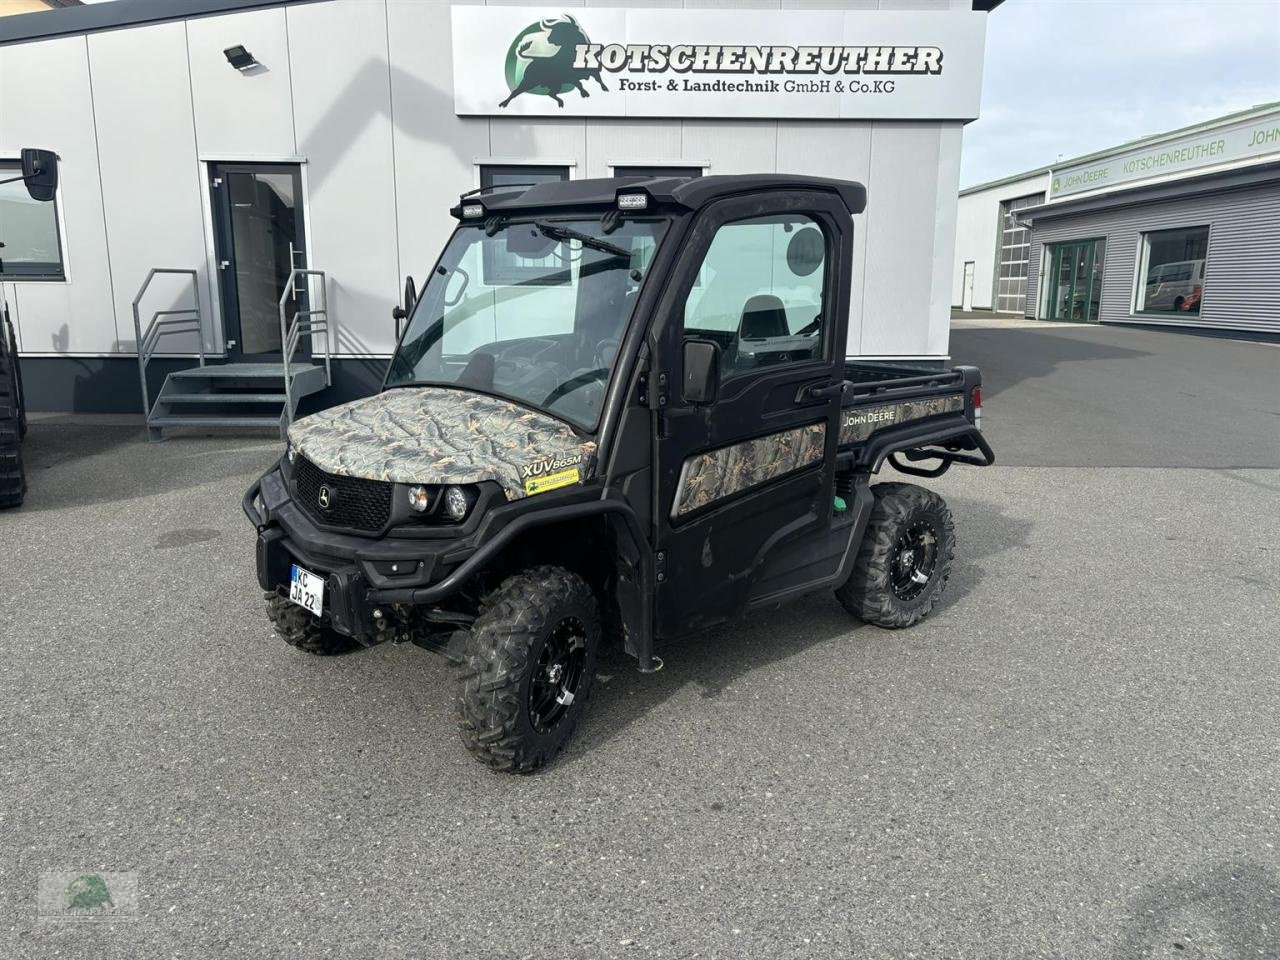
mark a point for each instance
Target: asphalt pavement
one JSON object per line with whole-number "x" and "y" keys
{"x": 1076, "y": 756}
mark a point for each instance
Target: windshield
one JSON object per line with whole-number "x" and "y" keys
{"x": 534, "y": 313}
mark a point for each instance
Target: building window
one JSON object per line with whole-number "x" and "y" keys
{"x": 1172, "y": 271}
{"x": 1014, "y": 255}
{"x": 654, "y": 172}
{"x": 30, "y": 246}
{"x": 503, "y": 267}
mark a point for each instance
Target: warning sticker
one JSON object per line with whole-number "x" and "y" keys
{"x": 552, "y": 481}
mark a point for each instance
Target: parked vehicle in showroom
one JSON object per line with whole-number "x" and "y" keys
{"x": 1172, "y": 285}
{"x": 621, "y": 409}
{"x": 40, "y": 177}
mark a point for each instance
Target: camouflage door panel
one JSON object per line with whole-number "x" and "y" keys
{"x": 859, "y": 423}
{"x": 721, "y": 473}
{"x": 440, "y": 435}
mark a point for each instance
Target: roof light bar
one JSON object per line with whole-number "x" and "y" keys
{"x": 633, "y": 201}
{"x": 472, "y": 210}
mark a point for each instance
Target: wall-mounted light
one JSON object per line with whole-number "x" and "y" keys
{"x": 239, "y": 57}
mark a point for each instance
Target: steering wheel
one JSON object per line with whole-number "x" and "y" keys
{"x": 599, "y": 375}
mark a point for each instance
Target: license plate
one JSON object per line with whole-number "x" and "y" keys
{"x": 306, "y": 589}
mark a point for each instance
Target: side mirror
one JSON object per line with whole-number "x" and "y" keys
{"x": 40, "y": 173}
{"x": 701, "y": 372}
{"x": 399, "y": 313}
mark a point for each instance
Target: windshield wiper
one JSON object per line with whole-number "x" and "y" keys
{"x": 557, "y": 232}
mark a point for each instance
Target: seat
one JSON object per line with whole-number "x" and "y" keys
{"x": 764, "y": 316}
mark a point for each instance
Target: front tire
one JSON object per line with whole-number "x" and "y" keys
{"x": 529, "y": 661}
{"x": 300, "y": 629}
{"x": 904, "y": 560}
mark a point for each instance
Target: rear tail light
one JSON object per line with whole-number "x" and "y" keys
{"x": 977, "y": 407}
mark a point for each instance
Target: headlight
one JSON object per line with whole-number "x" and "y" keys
{"x": 419, "y": 499}
{"x": 456, "y": 503}
{"x": 290, "y": 451}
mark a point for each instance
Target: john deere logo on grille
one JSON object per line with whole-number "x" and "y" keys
{"x": 541, "y": 59}
{"x": 325, "y": 498}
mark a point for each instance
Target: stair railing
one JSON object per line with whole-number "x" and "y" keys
{"x": 165, "y": 323}
{"x": 305, "y": 323}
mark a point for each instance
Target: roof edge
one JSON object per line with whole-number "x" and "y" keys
{"x": 95, "y": 17}
{"x": 1211, "y": 182}
{"x": 1258, "y": 109}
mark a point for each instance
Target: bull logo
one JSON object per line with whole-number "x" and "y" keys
{"x": 541, "y": 60}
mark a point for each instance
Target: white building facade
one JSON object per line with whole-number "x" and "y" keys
{"x": 353, "y": 126}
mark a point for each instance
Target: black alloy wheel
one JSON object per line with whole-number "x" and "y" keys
{"x": 914, "y": 559}
{"x": 557, "y": 676}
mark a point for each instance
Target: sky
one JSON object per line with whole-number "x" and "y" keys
{"x": 1068, "y": 77}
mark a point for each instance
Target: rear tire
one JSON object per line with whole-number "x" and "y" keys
{"x": 300, "y": 629}
{"x": 13, "y": 477}
{"x": 529, "y": 661}
{"x": 904, "y": 560}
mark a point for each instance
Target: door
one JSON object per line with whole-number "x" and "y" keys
{"x": 745, "y": 484}
{"x": 259, "y": 238}
{"x": 966, "y": 299}
{"x": 1075, "y": 275}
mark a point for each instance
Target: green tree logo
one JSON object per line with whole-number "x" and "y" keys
{"x": 88, "y": 892}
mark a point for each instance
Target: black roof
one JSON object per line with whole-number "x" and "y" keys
{"x": 689, "y": 193}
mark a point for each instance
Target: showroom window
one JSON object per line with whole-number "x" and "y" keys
{"x": 656, "y": 171}
{"x": 30, "y": 246}
{"x": 1172, "y": 271}
{"x": 1015, "y": 254}
{"x": 501, "y": 267}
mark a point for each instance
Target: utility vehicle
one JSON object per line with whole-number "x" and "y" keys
{"x": 40, "y": 177}
{"x": 620, "y": 410}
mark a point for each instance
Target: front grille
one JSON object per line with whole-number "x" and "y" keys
{"x": 355, "y": 503}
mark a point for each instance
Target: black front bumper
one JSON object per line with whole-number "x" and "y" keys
{"x": 360, "y": 573}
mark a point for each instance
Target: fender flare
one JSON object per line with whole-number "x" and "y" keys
{"x": 639, "y": 644}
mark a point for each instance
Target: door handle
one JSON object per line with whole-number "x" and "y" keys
{"x": 821, "y": 391}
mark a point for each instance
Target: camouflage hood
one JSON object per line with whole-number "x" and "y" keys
{"x": 440, "y": 435}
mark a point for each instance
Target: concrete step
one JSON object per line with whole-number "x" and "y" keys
{"x": 244, "y": 371}
{"x": 165, "y": 421}
{"x": 222, "y": 398}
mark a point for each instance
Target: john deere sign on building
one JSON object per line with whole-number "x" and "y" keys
{"x": 1243, "y": 141}
{"x": 699, "y": 63}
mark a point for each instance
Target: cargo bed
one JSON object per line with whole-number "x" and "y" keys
{"x": 938, "y": 413}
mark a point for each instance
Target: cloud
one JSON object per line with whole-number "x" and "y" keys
{"x": 1068, "y": 77}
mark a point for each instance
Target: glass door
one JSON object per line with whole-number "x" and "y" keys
{"x": 1075, "y": 280}
{"x": 259, "y": 239}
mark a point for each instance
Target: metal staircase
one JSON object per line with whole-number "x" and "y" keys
{"x": 234, "y": 394}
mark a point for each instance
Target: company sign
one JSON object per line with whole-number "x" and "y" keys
{"x": 770, "y": 64}
{"x": 1245, "y": 140}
